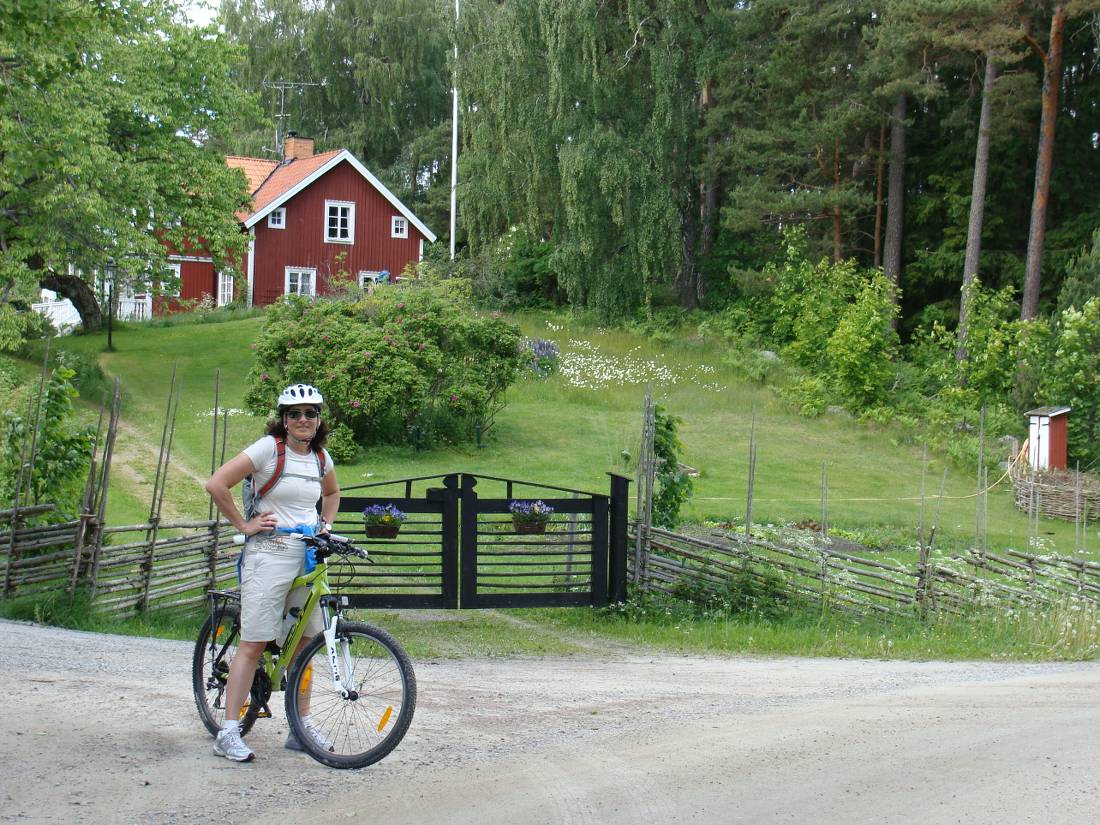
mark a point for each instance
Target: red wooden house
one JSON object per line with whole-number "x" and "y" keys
{"x": 312, "y": 217}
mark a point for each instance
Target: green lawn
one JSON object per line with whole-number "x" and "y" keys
{"x": 571, "y": 430}
{"x": 558, "y": 433}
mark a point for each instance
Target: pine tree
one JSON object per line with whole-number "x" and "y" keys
{"x": 794, "y": 118}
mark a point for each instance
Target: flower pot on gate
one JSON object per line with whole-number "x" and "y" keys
{"x": 530, "y": 517}
{"x": 382, "y": 531}
{"x": 529, "y": 528}
{"x": 382, "y": 521}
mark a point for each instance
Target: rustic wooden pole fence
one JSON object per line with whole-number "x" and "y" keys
{"x": 752, "y": 474}
{"x": 104, "y": 483}
{"x": 159, "y": 484}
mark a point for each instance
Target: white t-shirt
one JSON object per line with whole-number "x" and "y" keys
{"x": 294, "y": 499}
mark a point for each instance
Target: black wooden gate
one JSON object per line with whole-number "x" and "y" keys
{"x": 458, "y": 546}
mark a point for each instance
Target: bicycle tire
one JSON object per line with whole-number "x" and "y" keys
{"x": 364, "y": 729}
{"x": 209, "y": 670}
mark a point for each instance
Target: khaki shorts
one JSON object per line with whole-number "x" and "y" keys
{"x": 269, "y": 568}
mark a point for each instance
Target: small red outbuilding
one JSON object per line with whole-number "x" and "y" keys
{"x": 1048, "y": 438}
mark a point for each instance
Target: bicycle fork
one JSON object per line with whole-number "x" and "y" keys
{"x": 339, "y": 653}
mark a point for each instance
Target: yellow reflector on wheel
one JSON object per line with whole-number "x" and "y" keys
{"x": 244, "y": 710}
{"x": 307, "y": 680}
{"x": 385, "y": 718}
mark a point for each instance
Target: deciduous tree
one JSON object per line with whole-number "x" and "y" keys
{"x": 106, "y": 111}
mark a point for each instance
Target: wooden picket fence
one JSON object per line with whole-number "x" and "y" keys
{"x": 123, "y": 568}
{"x": 811, "y": 569}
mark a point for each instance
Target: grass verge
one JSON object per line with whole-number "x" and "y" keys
{"x": 1066, "y": 632}
{"x": 425, "y": 634}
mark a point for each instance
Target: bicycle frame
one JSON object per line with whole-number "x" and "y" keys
{"x": 275, "y": 664}
{"x": 319, "y": 595}
{"x": 373, "y": 694}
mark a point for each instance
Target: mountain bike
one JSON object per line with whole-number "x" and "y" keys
{"x": 355, "y": 678}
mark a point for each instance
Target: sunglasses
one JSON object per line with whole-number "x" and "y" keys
{"x": 294, "y": 415}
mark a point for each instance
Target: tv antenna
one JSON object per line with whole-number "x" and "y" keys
{"x": 283, "y": 86}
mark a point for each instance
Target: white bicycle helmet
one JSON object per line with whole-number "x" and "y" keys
{"x": 300, "y": 394}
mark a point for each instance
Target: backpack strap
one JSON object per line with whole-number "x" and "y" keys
{"x": 280, "y": 468}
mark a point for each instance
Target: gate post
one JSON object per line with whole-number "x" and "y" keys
{"x": 600, "y": 510}
{"x": 449, "y": 540}
{"x": 468, "y": 538}
{"x": 620, "y": 494}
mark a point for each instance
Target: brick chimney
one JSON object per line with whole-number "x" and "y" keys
{"x": 297, "y": 147}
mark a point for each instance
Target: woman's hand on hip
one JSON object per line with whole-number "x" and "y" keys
{"x": 262, "y": 523}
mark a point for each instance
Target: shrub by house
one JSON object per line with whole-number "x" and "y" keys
{"x": 403, "y": 365}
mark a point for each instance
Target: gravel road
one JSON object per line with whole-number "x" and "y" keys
{"x": 102, "y": 729}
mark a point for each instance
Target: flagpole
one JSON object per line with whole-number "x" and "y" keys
{"x": 454, "y": 139}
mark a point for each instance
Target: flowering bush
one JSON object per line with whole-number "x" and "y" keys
{"x": 530, "y": 512}
{"x": 384, "y": 514}
{"x": 403, "y": 365}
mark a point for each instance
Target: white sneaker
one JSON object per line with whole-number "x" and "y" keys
{"x": 295, "y": 744}
{"x": 229, "y": 744}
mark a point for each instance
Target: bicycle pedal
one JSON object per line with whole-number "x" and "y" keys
{"x": 265, "y": 713}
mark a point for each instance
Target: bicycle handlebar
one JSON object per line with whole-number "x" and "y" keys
{"x": 325, "y": 545}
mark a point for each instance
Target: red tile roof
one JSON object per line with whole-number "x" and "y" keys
{"x": 255, "y": 169}
{"x": 287, "y": 176}
{"x": 268, "y": 180}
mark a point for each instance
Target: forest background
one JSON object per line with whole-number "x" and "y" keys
{"x": 898, "y": 198}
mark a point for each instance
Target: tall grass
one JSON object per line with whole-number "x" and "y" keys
{"x": 74, "y": 610}
{"x": 1066, "y": 632}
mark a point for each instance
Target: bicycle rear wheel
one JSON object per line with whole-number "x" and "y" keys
{"x": 214, "y": 651}
{"x": 359, "y": 730}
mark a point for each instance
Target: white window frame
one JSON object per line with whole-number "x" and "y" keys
{"x": 177, "y": 269}
{"x": 350, "y": 206}
{"x": 300, "y": 270}
{"x": 225, "y": 288}
{"x": 399, "y": 226}
{"x": 277, "y": 218}
{"x": 369, "y": 276}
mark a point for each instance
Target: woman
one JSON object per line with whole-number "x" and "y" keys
{"x": 271, "y": 558}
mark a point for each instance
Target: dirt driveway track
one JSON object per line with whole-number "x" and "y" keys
{"x": 102, "y": 729}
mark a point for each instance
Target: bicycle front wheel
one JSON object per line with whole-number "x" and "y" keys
{"x": 357, "y": 730}
{"x": 214, "y": 651}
